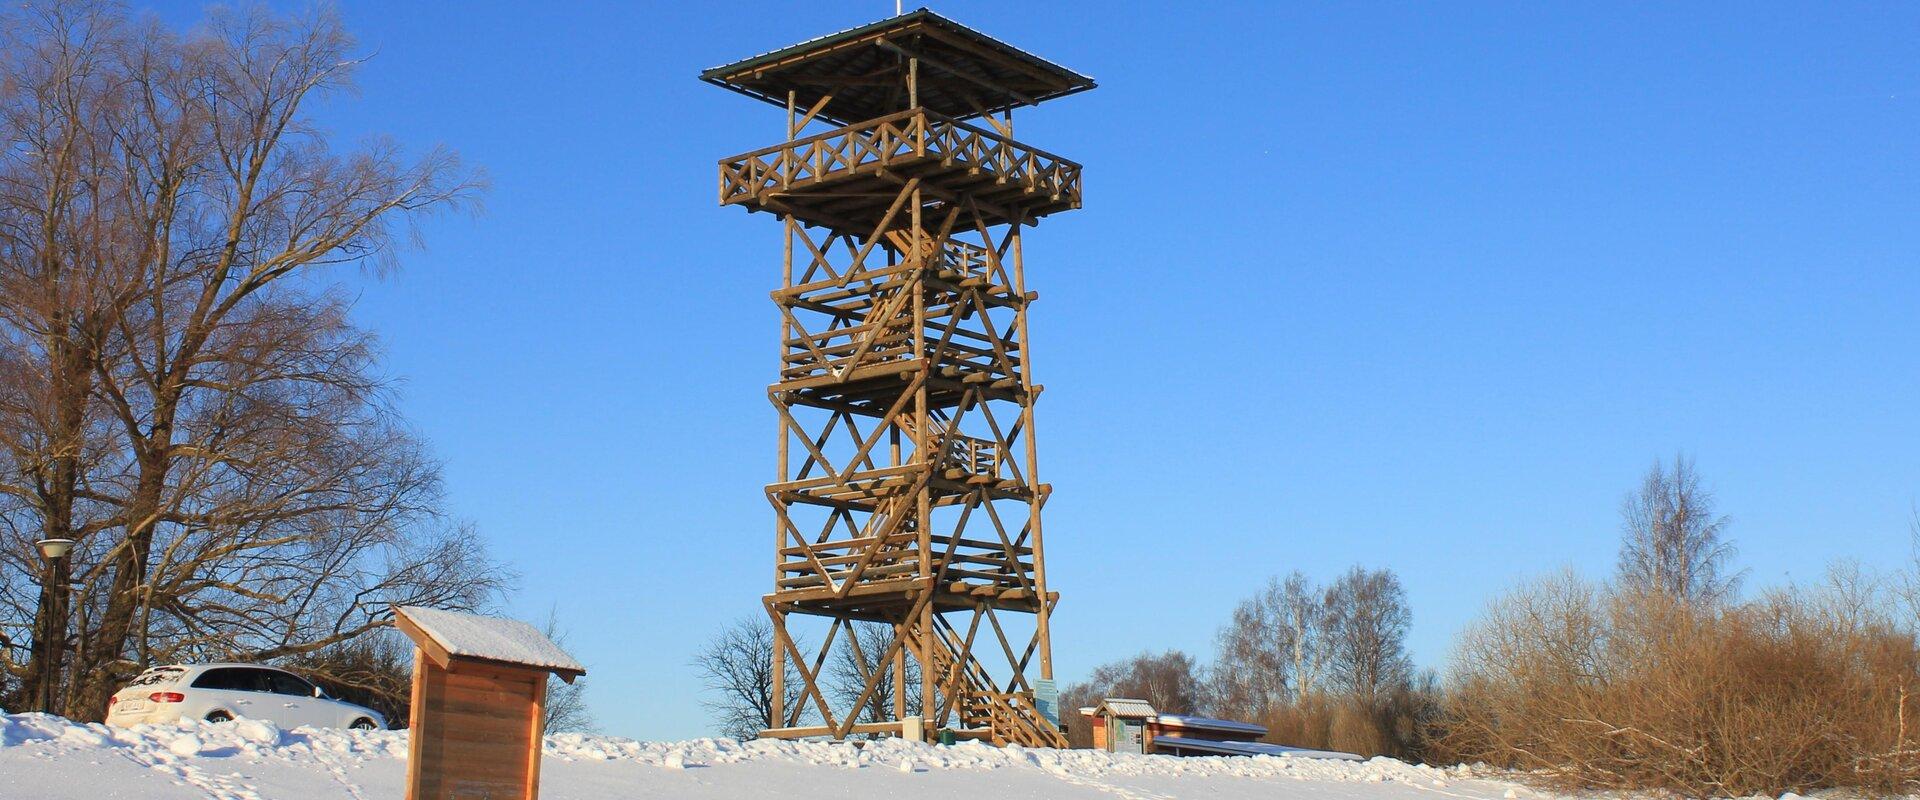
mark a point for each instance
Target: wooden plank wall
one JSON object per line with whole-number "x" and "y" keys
{"x": 479, "y": 734}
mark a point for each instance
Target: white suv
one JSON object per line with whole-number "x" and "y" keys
{"x": 221, "y": 692}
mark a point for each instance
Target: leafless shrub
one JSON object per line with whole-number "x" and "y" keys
{"x": 1582, "y": 686}
{"x": 375, "y": 671}
{"x": 1394, "y": 724}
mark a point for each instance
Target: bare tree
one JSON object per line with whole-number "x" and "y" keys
{"x": 1325, "y": 667}
{"x": 178, "y": 390}
{"x": 737, "y": 665}
{"x": 1273, "y": 651}
{"x": 857, "y": 655}
{"x": 1250, "y": 670}
{"x": 1073, "y": 697}
{"x": 1253, "y": 670}
{"x": 1672, "y": 540}
{"x": 1169, "y": 680}
{"x": 1907, "y": 583}
{"x": 1303, "y": 612}
{"x": 55, "y": 207}
{"x": 565, "y": 709}
{"x": 1366, "y": 634}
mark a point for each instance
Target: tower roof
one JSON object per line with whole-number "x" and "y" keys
{"x": 963, "y": 72}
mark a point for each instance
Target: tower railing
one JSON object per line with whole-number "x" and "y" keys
{"x": 972, "y": 457}
{"x": 905, "y": 138}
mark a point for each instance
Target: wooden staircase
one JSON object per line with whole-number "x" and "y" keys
{"x": 971, "y": 701}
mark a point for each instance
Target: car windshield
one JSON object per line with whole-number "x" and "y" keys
{"x": 157, "y": 675}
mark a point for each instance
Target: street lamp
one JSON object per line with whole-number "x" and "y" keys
{"x": 53, "y": 638}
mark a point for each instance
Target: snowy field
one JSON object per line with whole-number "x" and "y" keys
{"x": 51, "y": 758}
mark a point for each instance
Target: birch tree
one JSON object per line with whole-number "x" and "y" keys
{"x": 1366, "y": 636}
{"x": 1672, "y": 541}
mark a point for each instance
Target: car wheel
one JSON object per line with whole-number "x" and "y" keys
{"x": 363, "y": 724}
{"x": 219, "y": 716}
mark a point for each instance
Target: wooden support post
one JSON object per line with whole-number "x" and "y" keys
{"x": 900, "y": 678}
{"x": 1043, "y": 632}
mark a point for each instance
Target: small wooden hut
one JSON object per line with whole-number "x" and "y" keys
{"x": 479, "y": 690}
{"x": 1121, "y": 725}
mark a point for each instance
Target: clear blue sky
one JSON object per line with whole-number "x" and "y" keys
{"x": 1420, "y": 286}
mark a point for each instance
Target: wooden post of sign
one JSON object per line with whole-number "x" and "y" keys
{"x": 479, "y": 697}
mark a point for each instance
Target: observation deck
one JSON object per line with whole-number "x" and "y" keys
{"x": 849, "y": 178}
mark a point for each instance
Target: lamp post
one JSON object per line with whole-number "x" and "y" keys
{"x": 53, "y": 640}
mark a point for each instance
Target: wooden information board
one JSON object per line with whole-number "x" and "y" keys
{"x": 479, "y": 689}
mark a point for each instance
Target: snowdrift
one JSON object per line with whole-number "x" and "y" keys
{"x": 49, "y": 757}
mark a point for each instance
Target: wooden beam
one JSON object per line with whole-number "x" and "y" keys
{"x": 955, "y": 71}
{"x": 423, "y": 643}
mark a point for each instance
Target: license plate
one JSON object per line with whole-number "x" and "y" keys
{"x": 132, "y": 705}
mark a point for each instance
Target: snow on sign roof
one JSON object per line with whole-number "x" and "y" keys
{"x": 506, "y": 641}
{"x": 1126, "y": 707}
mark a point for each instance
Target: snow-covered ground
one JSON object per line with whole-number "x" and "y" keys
{"x": 52, "y": 758}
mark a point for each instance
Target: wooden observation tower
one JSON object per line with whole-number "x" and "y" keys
{"x": 908, "y": 492}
